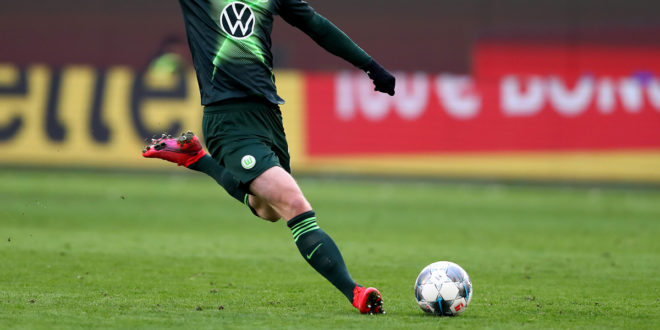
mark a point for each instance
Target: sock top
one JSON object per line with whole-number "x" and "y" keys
{"x": 300, "y": 217}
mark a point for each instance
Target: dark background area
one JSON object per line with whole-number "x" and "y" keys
{"x": 429, "y": 35}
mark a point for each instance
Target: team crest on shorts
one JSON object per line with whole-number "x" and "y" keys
{"x": 248, "y": 162}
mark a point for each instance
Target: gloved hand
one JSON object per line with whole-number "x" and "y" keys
{"x": 383, "y": 81}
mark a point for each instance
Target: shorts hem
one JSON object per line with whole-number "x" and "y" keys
{"x": 245, "y": 183}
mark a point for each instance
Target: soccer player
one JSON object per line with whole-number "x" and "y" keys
{"x": 242, "y": 123}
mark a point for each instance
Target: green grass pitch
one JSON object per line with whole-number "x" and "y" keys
{"x": 122, "y": 250}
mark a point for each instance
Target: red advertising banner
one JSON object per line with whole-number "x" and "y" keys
{"x": 521, "y": 98}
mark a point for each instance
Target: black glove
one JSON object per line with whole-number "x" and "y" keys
{"x": 383, "y": 80}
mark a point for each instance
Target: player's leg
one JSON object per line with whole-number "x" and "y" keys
{"x": 234, "y": 187}
{"x": 263, "y": 210}
{"x": 187, "y": 151}
{"x": 279, "y": 189}
{"x": 225, "y": 179}
{"x": 248, "y": 139}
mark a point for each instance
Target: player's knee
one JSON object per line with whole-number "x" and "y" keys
{"x": 297, "y": 204}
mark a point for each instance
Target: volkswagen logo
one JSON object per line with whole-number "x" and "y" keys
{"x": 237, "y": 20}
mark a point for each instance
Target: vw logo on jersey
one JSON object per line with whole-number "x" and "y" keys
{"x": 237, "y": 20}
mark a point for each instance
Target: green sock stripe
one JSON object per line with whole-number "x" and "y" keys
{"x": 299, "y": 231}
{"x": 303, "y": 223}
{"x": 246, "y": 200}
{"x": 314, "y": 227}
{"x": 304, "y": 229}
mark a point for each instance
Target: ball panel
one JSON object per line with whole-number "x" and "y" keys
{"x": 458, "y": 306}
{"x": 429, "y": 292}
{"x": 423, "y": 276}
{"x": 455, "y": 273}
{"x": 462, "y": 291}
{"x": 426, "y": 307}
{"x": 448, "y": 291}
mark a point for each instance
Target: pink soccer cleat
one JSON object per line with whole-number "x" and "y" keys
{"x": 184, "y": 150}
{"x": 367, "y": 300}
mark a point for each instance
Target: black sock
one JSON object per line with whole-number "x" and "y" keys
{"x": 209, "y": 166}
{"x": 321, "y": 252}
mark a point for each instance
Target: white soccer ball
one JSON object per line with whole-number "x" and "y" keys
{"x": 443, "y": 288}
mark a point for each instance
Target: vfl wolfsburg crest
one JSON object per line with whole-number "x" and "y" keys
{"x": 248, "y": 162}
{"x": 237, "y": 20}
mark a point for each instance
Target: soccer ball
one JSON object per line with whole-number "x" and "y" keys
{"x": 443, "y": 288}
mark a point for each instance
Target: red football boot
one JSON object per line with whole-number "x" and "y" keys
{"x": 184, "y": 150}
{"x": 367, "y": 300}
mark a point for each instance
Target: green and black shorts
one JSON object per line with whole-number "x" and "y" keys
{"x": 246, "y": 136}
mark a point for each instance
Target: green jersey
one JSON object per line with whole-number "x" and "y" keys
{"x": 230, "y": 44}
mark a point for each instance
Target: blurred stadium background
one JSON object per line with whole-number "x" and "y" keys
{"x": 507, "y": 89}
